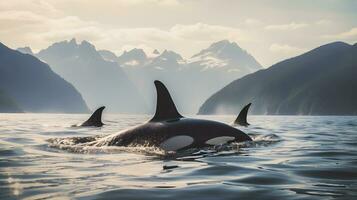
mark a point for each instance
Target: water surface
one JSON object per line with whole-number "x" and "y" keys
{"x": 292, "y": 157}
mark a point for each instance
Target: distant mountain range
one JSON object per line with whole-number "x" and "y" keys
{"x": 101, "y": 82}
{"x": 320, "y": 82}
{"x": 30, "y": 85}
{"x": 191, "y": 81}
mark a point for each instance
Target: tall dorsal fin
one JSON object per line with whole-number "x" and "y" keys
{"x": 242, "y": 117}
{"x": 95, "y": 119}
{"x": 165, "y": 107}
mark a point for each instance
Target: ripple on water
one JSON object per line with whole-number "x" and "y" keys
{"x": 336, "y": 154}
{"x": 266, "y": 179}
{"x": 60, "y": 133}
{"x": 19, "y": 140}
{"x": 317, "y": 192}
{"x": 200, "y": 192}
{"x": 329, "y": 173}
{"x": 290, "y": 158}
{"x": 11, "y": 151}
{"x": 220, "y": 170}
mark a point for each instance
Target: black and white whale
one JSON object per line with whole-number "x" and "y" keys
{"x": 170, "y": 131}
{"x": 94, "y": 120}
{"x": 242, "y": 117}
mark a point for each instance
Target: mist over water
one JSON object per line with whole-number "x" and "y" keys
{"x": 291, "y": 157}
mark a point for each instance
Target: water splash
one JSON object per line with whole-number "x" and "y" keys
{"x": 85, "y": 145}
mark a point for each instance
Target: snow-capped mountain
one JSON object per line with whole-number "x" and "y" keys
{"x": 319, "y": 82}
{"x": 190, "y": 81}
{"x": 108, "y": 55}
{"x": 225, "y": 56}
{"x": 194, "y": 79}
{"x": 100, "y": 82}
{"x": 167, "y": 60}
{"x": 132, "y": 58}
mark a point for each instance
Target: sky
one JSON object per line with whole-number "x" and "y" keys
{"x": 270, "y": 30}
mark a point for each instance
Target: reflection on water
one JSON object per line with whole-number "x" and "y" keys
{"x": 290, "y": 158}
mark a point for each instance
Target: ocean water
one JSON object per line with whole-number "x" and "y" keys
{"x": 291, "y": 157}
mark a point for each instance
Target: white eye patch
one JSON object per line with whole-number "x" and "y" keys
{"x": 219, "y": 140}
{"x": 176, "y": 142}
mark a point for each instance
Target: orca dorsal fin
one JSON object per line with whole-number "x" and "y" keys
{"x": 95, "y": 119}
{"x": 165, "y": 107}
{"x": 242, "y": 117}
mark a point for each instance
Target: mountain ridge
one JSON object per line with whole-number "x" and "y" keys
{"x": 100, "y": 81}
{"x": 194, "y": 79}
{"x": 34, "y": 86}
{"x": 298, "y": 85}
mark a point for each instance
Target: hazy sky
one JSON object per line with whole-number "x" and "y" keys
{"x": 270, "y": 30}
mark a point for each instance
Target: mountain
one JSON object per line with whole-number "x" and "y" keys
{"x": 108, "y": 55}
{"x": 320, "y": 82}
{"x": 193, "y": 80}
{"x": 156, "y": 52}
{"x": 225, "y": 56}
{"x": 143, "y": 70}
{"x": 132, "y": 58}
{"x": 216, "y": 66}
{"x": 7, "y": 104}
{"x": 101, "y": 82}
{"x": 25, "y": 50}
{"x": 34, "y": 86}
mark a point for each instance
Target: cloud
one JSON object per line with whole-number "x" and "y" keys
{"x": 180, "y": 25}
{"x": 286, "y": 27}
{"x": 46, "y": 30}
{"x": 15, "y": 20}
{"x": 252, "y": 22}
{"x": 176, "y": 37}
{"x": 350, "y": 34}
{"x": 141, "y": 2}
{"x": 206, "y": 32}
{"x": 158, "y": 2}
{"x": 323, "y": 22}
{"x": 116, "y": 3}
{"x": 41, "y": 7}
{"x": 285, "y": 49}
{"x": 35, "y": 19}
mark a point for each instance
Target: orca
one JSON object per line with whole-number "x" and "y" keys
{"x": 170, "y": 131}
{"x": 242, "y": 117}
{"x": 95, "y": 119}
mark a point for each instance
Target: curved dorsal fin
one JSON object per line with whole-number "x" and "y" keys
{"x": 165, "y": 107}
{"x": 95, "y": 119}
{"x": 242, "y": 117}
